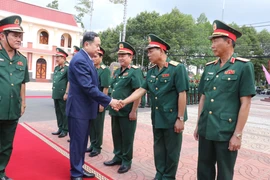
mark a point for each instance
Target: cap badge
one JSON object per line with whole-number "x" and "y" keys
{"x": 17, "y": 21}
{"x": 149, "y": 39}
{"x": 121, "y": 46}
{"x": 57, "y": 50}
{"x": 214, "y": 26}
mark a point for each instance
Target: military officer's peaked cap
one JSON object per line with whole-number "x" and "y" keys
{"x": 155, "y": 41}
{"x": 221, "y": 29}
{"x": 125, "y": 48}
{"x": 61, "y": 52}
{"x": 76, "y": 48}
{"x": 101, "y": 51}
{"x": 11, "y": 23}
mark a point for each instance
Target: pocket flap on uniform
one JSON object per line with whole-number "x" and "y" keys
{"x": 164, "y": 80}
{"x": 208, "y": 78}
{"x": 228, "y": 117}
{"x": 229, "y": 78}
{"x": 169, "y": 109}
{"x": 152, "y": 80}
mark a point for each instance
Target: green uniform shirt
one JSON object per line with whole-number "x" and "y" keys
{"x": 60, "y": 80}
{"x": 164, "y": 87}
{"x": 13, "y": 73}
{"x": 104, "y": 75}
{"x": 223, "y": 87}
{"x": 124, "y": 84}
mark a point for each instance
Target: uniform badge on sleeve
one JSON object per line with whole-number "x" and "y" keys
{"x": 229, "y": 72}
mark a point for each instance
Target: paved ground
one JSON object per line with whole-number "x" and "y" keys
{"x": 253, "y": 161}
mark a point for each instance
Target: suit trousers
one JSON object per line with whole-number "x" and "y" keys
{"x": 78, "y": 132}
{"x": 7, "y": 133}
{"x": 123, "y": 131}
{"x": 60, "y": 111}
{"x": 96, "y": 131}
{"x": 167, "y": 148}
{"x": 212, "y": 153}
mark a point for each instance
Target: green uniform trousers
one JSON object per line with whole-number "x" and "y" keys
{"x": 123, "y": 131}
{"x": 96, "y": 131}
{"x": 212, "y": 152}
{"x": 167, "y": 147}
{"x": 60, "y": 111}
{"x": 143, "y": 101}
{"x": 7, "y": 133}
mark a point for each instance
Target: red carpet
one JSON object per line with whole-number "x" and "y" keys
{"x": 34, "y": 159}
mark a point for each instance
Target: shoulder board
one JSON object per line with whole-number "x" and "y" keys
{"x": 152, "y": 66}
{"x": 174, "y": 63}
{"x": 242, "y": 59}
{"x": 66, "y": 64}
{"x": 135, "y": 67}
{"x": 20, "y": 54}
{"x": 103, "y": 66}
{"x": 215, "y": 61}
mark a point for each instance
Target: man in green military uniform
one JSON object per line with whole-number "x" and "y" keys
{"x": 167, "y": 82}
{"x": 60, "y": 92}
{"x": 125, "y": 81}
{"x": 97, "y": 125}
{"x": 75, "y": 49}
{"x": 227, "y": 85}
{"x": 13, "y": 76}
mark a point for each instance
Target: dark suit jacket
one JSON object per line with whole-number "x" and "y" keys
{"x": 84, "y": 95}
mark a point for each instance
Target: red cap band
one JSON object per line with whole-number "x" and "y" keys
{"x": 125, "y": 49}
{"x": 62, "y": 54}
{"x": 2, "y": 28}
{"x": 159, "y": 44}
{"x": 225, "y": 33}
{"x": 100, "y": 52}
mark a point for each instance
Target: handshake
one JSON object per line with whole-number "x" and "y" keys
{"x": 117, "y": 104}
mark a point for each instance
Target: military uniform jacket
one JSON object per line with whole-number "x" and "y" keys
{"x": 13, "y": 73}
{"x": 124, "y": 84}
{"x": 164, "y": 87}
{"x": 60, "y": 80}
{"x": 104, "y": 76}
{"x": 223, "y": 87}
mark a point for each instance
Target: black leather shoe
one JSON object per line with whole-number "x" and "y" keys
{"x": 94, "y": 153}
{"x": 5, "y": 178}
{"x": 76, "y": 178}
{"x": 90, "y": 149}
{"x": 88, "y": 175}
{"x": 57, "y": 132}
{"x": 62, "y": 134}
{"x": 123, "y": 169}
{"x": 112, "y": 163}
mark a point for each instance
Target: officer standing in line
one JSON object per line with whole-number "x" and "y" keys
{"x": 13, "y": 76}
{"x": 125, "y": 81}
{"x": 60, "y": 92}
{"x": 227, "y": 86}
{"x": 75, "y": 50}
{"x": 167, "y": 82}
{"x": 97, "y": 125}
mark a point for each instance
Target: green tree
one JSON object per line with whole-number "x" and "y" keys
{"x": 83, "y": 7}
{"x": 53, "y": 4}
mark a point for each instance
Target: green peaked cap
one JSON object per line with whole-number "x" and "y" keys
{"x": 124, "y": 47}
{"x": 11, "y": 23}
{"x": 155, "y": 41}
{"x": 61, "y": 52}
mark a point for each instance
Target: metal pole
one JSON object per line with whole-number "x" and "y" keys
{"x": 120, "y": 35}
{"x": 142, "y": 56}
{"x": 91, "y": 12}
{"x": 223, "y": 9}
{"x": 124, "y": 21}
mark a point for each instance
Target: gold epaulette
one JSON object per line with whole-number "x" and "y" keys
{"x": 215, "y": 61}
{"x": 21, "y": 54}
{"x": 135, "y": 67}
{"x": 174, "y": 63}
{"x": 242, "y": 59}
{"x": 103, "y": 66}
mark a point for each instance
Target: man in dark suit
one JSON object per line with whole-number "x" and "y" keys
{"x": 84, "y": 98}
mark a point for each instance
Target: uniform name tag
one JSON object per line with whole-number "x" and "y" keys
{"x": 211, "y": 73}
{"x": 1, "y": 59}
{"x": 152, "y": 76}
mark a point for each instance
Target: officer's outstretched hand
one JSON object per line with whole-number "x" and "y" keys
{"x": 195, "y": 134}
{"x": 235, "y": 143}
{"x": 115, "y": 104}
{"x": 22, "y": 110}
{"x": 179, "y": 126}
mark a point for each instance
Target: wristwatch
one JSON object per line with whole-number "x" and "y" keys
{"x": 181, "y": 118}
{"x": 238, "y": 135}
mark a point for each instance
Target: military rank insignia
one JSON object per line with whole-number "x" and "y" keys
{"x": 149, "y": 39}
{"x": 125, "y": 74}
{"x": 121, "y": 46}
{"x": 165, "y": 75}
{"x": 20, "y": 63}
{"x": 229, "y": 72}
{"x": 17, "y": 21}
{"x": 214, "y": 26}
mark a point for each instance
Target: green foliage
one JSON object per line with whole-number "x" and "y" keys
{"x": 53, "y": 4}
{"x": 83, "y": 7}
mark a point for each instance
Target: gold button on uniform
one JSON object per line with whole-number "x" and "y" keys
{"x": 170, "y": 110}
{"x": 210, "y": 112}
{"x": 165, "y": 81}
{"x": 214, "y": 88}
{"x": 229, "y": 79}
{"x": 156, "y": 88}
{"x": 212, "y": 100}
{"x": 11, "y": 74}
{"x": 12, "y": 84}
{"x": 10, "y": 63}
{"x": 156, "y": 107}
{"x": 156, "y": 78}
{"x": 217, "y": 76}
{"x": 230, "y": 120}
{"x": 207, "y": 79}
{"x": 155, "y": 97}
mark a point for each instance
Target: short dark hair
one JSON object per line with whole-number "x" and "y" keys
{"x": 89, "y": 36}
{"x": 225, "y": 38}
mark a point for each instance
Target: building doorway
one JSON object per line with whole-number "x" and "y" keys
{"x": 41, "y": 68}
